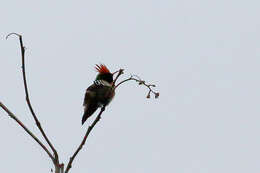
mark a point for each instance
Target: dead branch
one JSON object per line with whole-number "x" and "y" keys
{"x": 26, "y": 129}
{"x": 141, "y": 82}
{"x": 56, "y": 157}
{"x": 84, "y": 139}
{"x": 120, "y": 72}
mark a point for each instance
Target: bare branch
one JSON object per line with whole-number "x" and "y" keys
{"x": 84, "y": 140}
{"x": 28, "y": 99}
{"x": 120, "y": 72}
{"x": 13, "y": 33}
{"x": 140, "y": 82}
{"x": 27, "y": 130}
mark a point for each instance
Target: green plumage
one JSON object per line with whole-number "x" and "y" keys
{"x": 99, "y": 94}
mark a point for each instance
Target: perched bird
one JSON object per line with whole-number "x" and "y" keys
{"x": 100, "y": 93}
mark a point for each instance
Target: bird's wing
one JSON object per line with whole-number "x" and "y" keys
{"x": 89, "y": 94}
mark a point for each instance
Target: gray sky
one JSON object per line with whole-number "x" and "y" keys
{"x": 202, "y": 55}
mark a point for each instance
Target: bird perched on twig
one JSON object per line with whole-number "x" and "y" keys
{"x": 100, "y": 93}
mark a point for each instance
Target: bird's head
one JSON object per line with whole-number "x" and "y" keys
{"x": 104, "y": 73}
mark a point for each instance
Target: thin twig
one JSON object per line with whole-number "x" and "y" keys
{"x": 120, "y": 72}
{"x": 26, "y": 129}
{"x": 123, "y": 81}
{"x": 28, "y": 99}
{"x": 140, "y": 82}
{"x": 115, "y": 72}
{"x": 84, "y": 139}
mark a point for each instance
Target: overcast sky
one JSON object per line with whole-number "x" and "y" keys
{"x": 202, "y": 55}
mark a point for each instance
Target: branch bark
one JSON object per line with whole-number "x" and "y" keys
{"x": 26, "y": 129}
{"x": 84, "y": 139}
{"x": 140, "y": 82}
{"x": 120, "y": 72}
{"x": 56, "y": 157}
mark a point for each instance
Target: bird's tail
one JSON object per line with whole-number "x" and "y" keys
{"x": 89, "y": 110}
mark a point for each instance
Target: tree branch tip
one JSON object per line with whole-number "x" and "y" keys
{"x": 121, "y": 71}
{"x": 13, "y": 33}
{"x": 156, "y": 95}
{"x": 115, "y": 72}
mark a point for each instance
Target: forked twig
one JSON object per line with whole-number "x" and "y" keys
{"x": 141, "y": 82}
{"x": 56, "y": 160}
{"x": 84, "y": 140}
{"x": 120, "y": 72}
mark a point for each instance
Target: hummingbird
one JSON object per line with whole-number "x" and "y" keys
{"x": 100, "y": 93}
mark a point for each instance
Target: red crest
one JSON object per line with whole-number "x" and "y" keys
{"x": 102, "y": 68}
